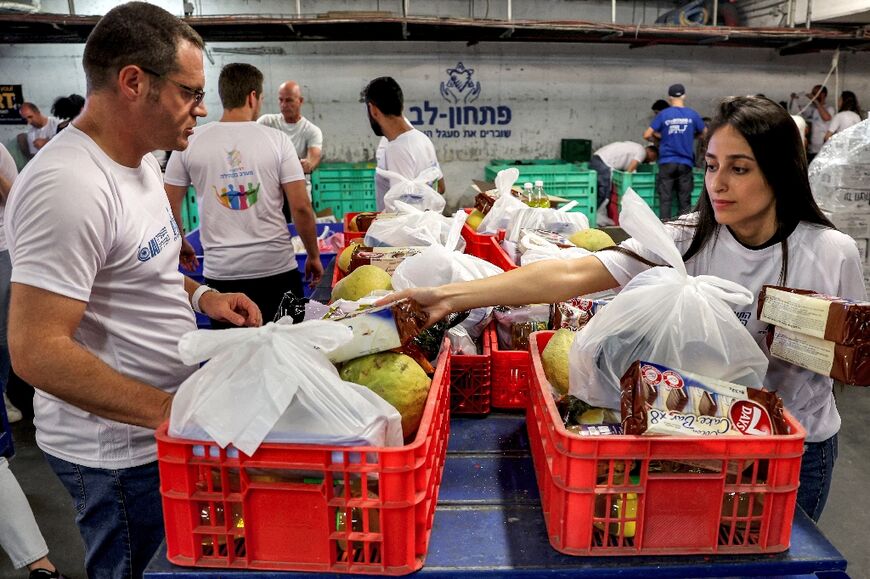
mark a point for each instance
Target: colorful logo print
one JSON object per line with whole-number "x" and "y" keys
{"x": 238, "y": 197}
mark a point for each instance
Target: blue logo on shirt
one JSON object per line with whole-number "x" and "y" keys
{"x": 154, "y": 246}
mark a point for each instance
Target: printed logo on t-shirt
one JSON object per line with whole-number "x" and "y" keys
{"x": 236, "y": 192}
{"x": 154, "y": 246}
{"x": 677, "y": 126}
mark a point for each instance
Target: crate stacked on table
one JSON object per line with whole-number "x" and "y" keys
{"x": 575, "y": 182}
{"x": 742, "y": 501}
{"x": 189, "y": 211}
{"x": 306, "y": 507}
{"x": 643, "y": 181}
{"x": 343, "y": 187}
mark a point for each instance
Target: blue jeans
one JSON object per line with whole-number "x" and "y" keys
{"x": 817, "y": 468}
{"x": 119, "y": 515}
{"x": 604, "y": 178}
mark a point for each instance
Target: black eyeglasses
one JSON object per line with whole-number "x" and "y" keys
{"x": 197, "y": 93}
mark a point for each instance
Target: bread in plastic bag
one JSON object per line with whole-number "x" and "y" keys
{"x": 840, "y": 174}
{"x": 275, "y": 383}
{"x": 665, "y": 316}
{"x": 416, "y": 192}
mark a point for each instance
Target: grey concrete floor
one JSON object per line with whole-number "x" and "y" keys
{"x": 844, "y": 521}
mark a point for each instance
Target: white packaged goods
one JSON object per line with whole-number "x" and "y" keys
{"x": 840, "y": 173}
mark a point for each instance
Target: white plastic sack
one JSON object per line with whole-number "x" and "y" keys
{"x": 540, "y": 250}
{"x": 500, "y": 215}
{"x": 410, "y": 228}
{"x": 439, "y": 264}
{"x": 275, "y": 383}
{"x": 665, "y": 316}
{"x": 561, "y": 221}
{"x": 415, "y": 192}
{"x": 840, "y": 174}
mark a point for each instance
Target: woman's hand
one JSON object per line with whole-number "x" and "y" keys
{"x": 431, "y": 298}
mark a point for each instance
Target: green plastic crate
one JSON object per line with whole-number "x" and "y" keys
{"x": 644, "y": 184}
{"x": 343, "y": 187}
{"x": 576, "y": 150}
{"x": 189, "y": 211}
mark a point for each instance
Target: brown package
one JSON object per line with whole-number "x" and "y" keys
{"x": 848, "y": 364}
{"x": 385, "y": 258}
{"x": 362, "y": 221}
{"x": 483, "y": 202}
{"x": 659, "y": 400}
{"x": 826, "y": 317}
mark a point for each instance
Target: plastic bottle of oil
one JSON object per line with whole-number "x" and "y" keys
{"x": 528, "y": 193}
{"x": 539, "y": 197}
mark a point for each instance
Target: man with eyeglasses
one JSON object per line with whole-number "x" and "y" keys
{"x": 242, "y": 172}
{"x": 98, "y": 304}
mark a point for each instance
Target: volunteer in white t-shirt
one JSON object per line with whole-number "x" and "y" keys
{"x": 42, "y": 127}
{"x": 98, "y": 304}
{"x": 406, "y": 151}
{"x": 757, "y": 203}
{"x": 817, "y": 114}
{"x": 306, "y": 136}
{"x": 242, "y": 171}
{"x": 619, "y": 156}
{"x": 849, "y": 115}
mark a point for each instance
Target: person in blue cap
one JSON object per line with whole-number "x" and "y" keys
{"x": 676, "y": 129}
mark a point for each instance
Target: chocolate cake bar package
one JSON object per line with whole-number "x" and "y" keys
{"x": 848, "y": 364}
{"x": 376, "y": 329}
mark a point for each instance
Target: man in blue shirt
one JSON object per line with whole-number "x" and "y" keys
{"x": 677, "y": 127}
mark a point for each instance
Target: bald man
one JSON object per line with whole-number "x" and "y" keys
{"x": 306, "y": 136}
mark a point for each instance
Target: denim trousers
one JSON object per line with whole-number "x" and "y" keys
{"x": 119, "y": 515}
{"x": 817, "y": 469}
{"x": 604, "y": 178}
{"x": 674, "y": 179}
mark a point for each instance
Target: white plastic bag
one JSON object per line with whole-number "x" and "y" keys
{"x": 410, "y": 228}
{"x": 500, "y": 215}
{"x": 665, "y": 316}
{"x": 840, "y": 174}
{"x": 275, "y": 383}
{"x": 536, "y": 250}
{"x": 442, "y": 264}
{"x": 416, "y": 192}
{"x": 561, "y": 221}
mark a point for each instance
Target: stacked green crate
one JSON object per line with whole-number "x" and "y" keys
{"x": 572, "y": 181}
{"x": 189, "y": 211}
{"x": 576, "y": 150}
{"x": 343, "y": 187}
{"x": 643, "y": 181}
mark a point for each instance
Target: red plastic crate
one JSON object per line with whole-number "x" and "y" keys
{"x": 470, "y": 382}
{"x": 511, "y": 371}
{"x": 348, "y": 234}
{"x": 286, "y": 508}
{"x": 744, "y": 505}
{"x": 478, "y": 244}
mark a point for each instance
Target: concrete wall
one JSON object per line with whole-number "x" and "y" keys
{"x": 550, "y": 91}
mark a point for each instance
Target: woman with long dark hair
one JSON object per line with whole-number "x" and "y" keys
{"x": 756, "y": 223}
{"x": 850, "y": 114}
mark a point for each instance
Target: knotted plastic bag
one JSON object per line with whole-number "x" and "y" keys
{"x": 275, "y": 383}
{"x": 411, "y": 227}
{"x": 416, "y": 192}
{"x": 440, "y": 264}
{"x": 562, "y": 221}
{"x": 501, "y": 214}
{"x": 665, "y": 316}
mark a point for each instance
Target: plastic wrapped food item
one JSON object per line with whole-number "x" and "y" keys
{"x": 840, "y": 174}
{"x": 820, "y": 316}
{"x": 575, "y": 313}
{"x": 660, "y": 400}
{"x": 514, "y": 325}
{"x": 461, "y": 344}
{"x": 385, "y": 258}
{"x": 848, "y": 364}
{"x": 378, "y": 329}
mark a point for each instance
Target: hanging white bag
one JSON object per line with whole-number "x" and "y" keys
{"x": 275, "y": 383}
{"x": 666, "y": 316}
{"x": 501, "y": 214}
{"x": 415, "y": 192}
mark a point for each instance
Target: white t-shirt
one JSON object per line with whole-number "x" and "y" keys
{"x": 620, "y": 154}
{"x": 82, "y": 226}
{"x": 820, "y": 259}
{"x": 46, "y": 131}
{"x": 10, "y": 172}
{"x": 818, "y": 127}
{"x": 843, "y": 120}
{"x": 237, "y": 170}
{"x": 304, "y": 133}
{"x": 409, "y": 154}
